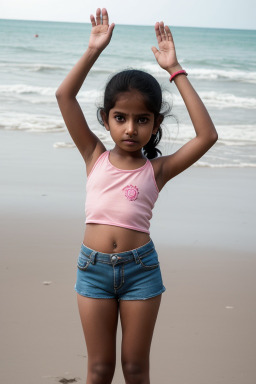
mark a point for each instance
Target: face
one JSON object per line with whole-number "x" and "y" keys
{"x": 130, "y": 123}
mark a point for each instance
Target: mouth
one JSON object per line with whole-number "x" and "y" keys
{"x": 129, "y": 141}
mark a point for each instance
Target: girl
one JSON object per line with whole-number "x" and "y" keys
{"x": 118, "y": 269}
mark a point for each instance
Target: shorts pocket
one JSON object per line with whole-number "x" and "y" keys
{"x": 83, "y": 262}
{"x": 149, "y": 261}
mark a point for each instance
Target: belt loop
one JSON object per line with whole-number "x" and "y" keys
{"x": 93, "y": 256}
{"x": 136, "y": 257}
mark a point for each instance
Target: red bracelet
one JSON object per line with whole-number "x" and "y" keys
{"x": 181, "y": 72}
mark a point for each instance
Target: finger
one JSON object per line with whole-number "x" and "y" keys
{"x": 168, "y": 33}
{"x": 104, "y": 16}
{"x": 162, "y": 30}
{"x": 154, "y": 50}
{"x": 158, "y": 34}
{"x": 98, "y": 16}
{"x": 93, "y": 21}
{"x": 111, "y": 28}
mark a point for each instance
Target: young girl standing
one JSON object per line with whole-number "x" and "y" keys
{"x": 118, "y": 268}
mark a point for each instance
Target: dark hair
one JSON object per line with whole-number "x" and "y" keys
{"x": 147, "y": 85}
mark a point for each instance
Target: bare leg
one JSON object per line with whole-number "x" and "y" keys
{"x": 138, "y": 320}
{"x": 99, "y": 320}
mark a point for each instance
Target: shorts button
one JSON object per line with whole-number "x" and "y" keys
{"x": 113, "y": 258}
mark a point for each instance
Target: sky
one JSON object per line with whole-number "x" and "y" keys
{"x": 238, "y": 14}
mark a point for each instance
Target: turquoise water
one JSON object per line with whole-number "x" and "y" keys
{"x": 221, "y": 64}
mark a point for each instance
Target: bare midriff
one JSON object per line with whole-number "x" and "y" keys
{"x": 112, "y": 239}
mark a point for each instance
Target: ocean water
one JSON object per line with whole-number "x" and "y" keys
{"x": 221, "y": 65}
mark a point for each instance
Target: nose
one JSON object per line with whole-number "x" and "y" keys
{"x": 131, "y": 128}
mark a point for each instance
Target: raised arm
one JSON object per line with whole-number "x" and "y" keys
{"x": 205, "y": 131}
{"x": 88, "y": 144}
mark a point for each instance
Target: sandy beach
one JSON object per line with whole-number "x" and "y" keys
{"x": 204, "y": 229}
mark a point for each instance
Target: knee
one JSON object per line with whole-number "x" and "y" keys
{"x": 135, "y": 372}
{"x": 101, "y": 372}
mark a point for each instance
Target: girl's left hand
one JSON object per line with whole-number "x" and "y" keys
{"x": 166, "y": 55}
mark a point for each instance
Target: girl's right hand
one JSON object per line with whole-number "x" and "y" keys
{"x": 101, "y": 32}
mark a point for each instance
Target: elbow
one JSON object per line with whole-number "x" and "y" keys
{"x": 211, "y": 138}
{"x": 58, "y": 94}
{"x": 62, "y": 95}
{"x": 214, "y": 136}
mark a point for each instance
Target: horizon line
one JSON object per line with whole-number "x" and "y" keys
{"x": 137, "y": 25}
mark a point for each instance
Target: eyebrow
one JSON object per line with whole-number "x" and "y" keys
{"x": 139, "y": 114}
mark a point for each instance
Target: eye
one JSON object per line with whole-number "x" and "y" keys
{"x": 143, "y": 120}
{"x": 119, "y": 118}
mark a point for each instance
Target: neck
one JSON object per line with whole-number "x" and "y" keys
{"x": 127, "y": 155}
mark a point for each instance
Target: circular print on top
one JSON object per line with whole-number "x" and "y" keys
{"x": 131, "y": 192}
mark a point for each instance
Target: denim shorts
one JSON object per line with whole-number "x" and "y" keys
{"x": 130, "y": 275}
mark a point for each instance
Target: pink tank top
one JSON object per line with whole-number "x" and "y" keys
{"x": 124, "y": 198}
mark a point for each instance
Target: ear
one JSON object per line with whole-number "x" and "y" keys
{"x": 158, "y": 122}
{"x": 104, "y": 119}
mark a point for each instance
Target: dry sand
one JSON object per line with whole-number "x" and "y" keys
{"x": 204, "y": 229}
